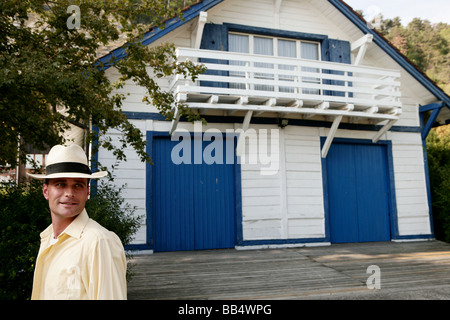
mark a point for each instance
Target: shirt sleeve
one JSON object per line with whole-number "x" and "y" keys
{"x": 107, "y": 271}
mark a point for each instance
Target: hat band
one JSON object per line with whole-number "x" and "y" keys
{"x": 67, "y": 167}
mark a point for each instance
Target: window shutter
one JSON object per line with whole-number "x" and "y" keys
{"x": 215, "y": 37}
{"x": 334, "y": 50}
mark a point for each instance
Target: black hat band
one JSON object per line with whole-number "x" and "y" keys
{"x": 65, "y": 167}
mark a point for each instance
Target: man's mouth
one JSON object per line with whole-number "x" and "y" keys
{"x": 69, "y": 203}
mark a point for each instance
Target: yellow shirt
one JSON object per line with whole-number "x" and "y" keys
{"x": 87, "y": 262}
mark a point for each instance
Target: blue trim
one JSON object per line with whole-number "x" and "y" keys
{"x": 138, "y": 247}
{"x": 260, "y": 120}
{"x": 415, "y": 237}
{"x": 393, "y": 215}
{"x": 238, "y": 199}
{"x": 281, "y": 241}
{"x": 149, "y": 192}
{"x": 430, "y": 122}
{"x": 94, "y": 162}
{"x": 435, "y": 109}
{"x": 427, "y": 175}
{"x": 275, "y": 32}
{"x": 155, "y": 34}
{"x": 391, "y": 51}
{"x": 431, "y": 106}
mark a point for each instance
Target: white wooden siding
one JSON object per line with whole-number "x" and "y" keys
{"x": 292, "y": 199}
{"x": 411, "y": 192}
{"x": 131, "y": 173}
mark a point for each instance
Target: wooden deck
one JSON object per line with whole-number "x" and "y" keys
{"x": 414, "y": 270}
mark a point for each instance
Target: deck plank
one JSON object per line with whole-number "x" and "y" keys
{"x": 337, "y": 271}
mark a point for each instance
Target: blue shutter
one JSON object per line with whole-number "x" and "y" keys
{"x": 335, "y": 51}
{"x": 215, "y": 37}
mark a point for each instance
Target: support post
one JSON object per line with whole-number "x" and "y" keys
{"x": 383, "y": 130}
{"x": 362, "y": 44}
{"x": 202, "y": 18}
{"x": 331, "y": 134}
{"x": 240, "y": 147}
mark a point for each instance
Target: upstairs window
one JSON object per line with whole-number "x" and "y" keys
{"x": 277, "y": 47}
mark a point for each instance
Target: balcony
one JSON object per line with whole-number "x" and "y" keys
{"x": 241, "y": 83}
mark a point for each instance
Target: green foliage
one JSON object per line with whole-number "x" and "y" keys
{"x": 438, "y": 149}
{"x": 425, "y": 44}
{"x": 108, "y": 207}
{"x": 24, "y": 214}
{"x": 49, "y": 75}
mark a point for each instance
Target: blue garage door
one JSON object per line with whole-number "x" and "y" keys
{"x": 193, "y": 204}
{"x": 358, "y": 193}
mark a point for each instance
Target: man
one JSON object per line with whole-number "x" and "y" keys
{"x": 78, "y": 258}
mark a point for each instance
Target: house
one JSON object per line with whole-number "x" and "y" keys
{"x": 315, "y": 132}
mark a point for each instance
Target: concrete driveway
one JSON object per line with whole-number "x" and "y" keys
{"x": 381, "y": 270}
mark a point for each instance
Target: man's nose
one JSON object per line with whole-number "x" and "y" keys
{"x": 69, "y": 192}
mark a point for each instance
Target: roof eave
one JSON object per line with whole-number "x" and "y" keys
{"x": 155, "y": 33}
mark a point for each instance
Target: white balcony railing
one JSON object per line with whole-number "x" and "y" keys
{"x": 237, "y": 81}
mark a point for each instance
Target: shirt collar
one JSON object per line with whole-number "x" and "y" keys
{"x": 75, "y": 229}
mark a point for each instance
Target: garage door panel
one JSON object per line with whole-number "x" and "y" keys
{"x": 171, "y": 231}
{"x": 358, "y": 193}
{"x": 193, "y": 203}
{"x": 342, "y": 196}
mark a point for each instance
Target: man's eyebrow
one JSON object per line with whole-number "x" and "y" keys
{"x": 58, "y": 180}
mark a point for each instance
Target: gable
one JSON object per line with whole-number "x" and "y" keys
{"x": 332, "y": 18}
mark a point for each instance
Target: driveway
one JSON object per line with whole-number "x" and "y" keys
{"x": 381, "y": 270}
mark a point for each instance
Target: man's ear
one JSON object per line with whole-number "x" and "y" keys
{"x": 45, "y": 191}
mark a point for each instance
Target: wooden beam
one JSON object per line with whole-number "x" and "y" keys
{"x": 202, "y": 18}
{"x": 174, "y": 124}
{"x": 368, "y": 38}
{"x": 362, "y": 44}
{"x": 180, "y": 98}
{"x": 240, "y": 147}
{"x": 213, "y": 99}
{"x": 330, "y": 137}
{"x": 270, "y": 102}
{"x": 383, "y": 130}
{"x": 276, "y": 11}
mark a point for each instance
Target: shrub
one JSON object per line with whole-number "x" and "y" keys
{"x": 438, "y": 149}
{"x": 24, "y": 214}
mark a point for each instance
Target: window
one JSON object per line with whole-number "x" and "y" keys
{"x": 238, "y": 43}
{"x": 278, "y": 47}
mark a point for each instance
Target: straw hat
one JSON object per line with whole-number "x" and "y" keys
{"x": 67, "y": 162}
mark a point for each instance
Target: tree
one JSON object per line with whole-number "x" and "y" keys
{"x": 425, "y": 44}
{"x": 438, "y": 149}
{"x": 50, "y": 75}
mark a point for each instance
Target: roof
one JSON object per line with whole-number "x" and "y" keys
{"x": 194, "y": 10}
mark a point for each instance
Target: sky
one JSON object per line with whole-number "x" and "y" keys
{"x": 432, "y": 10}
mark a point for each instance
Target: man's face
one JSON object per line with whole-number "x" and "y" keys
{"x": 66, "y": 196}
